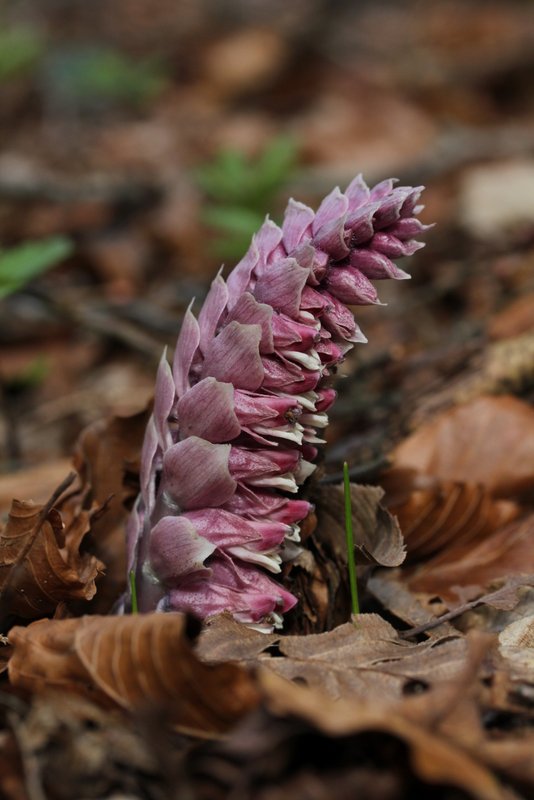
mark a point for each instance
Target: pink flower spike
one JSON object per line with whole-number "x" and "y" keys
{"x": 237, "y": 425}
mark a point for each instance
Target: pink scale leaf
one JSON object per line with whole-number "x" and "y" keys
{"x": 234, "y": 356}
{"x": 186, "y": 347}
{"x": 207, "y": 411}
{"x": 196, "y": 474}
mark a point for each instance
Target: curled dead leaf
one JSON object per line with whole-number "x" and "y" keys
{"x": 465, "y": 570}
{"x": 40, "y": 560}
{"x": 133, "y": 662}
{"x": 377, "y": 535}
{"x": 433, "y": 513}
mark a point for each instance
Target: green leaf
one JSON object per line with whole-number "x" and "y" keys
{"x": 251, "y": 184}
{"x": 233, "y": 220}
{"x": 20, "y": 264}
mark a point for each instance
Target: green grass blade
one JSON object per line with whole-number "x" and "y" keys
{"x": 133, "y": 591}
{"x": 350, "y": 542}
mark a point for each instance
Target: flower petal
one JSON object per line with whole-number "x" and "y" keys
{"x": 390, "y": 246}
{"x": 338, "y": 319}
{"x": 334, "y": 206}
{"x": 267, "y": 240}
{"x": 196, "y": 474}
{"x": 207, "y": 410}
{"x": 357, "y": 193}
{"x": 298, "y": 219}
{"x": 147, "y": 472}
{"x": 234, "y": 356}
{"x": 351, "y": 286}
{"x": 248, "y": 311}
{"x": 331, "y": 239}
{"x": 176, "y": 548}
{"x": 281, "y": 286}
{"x": 375, "y": 265}
{"x": 244, "y": 591}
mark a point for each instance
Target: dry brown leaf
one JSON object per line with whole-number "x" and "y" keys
{"x": 40, "y": 561}
{"x": 303, "y": 744}
{"x": 377, "y": 535}
{"x": 70, "y": 744}
{"x": 361, "y": 660}
{"x": 133, "y": 662}
{"x": 506, "y": 552}
{"x": 38, "y": 482}
{"x": 489, "y": 441}
{"x": 106, "y": 458}
{"x": 516, "y": 318}
{"x": 432, "y": 512}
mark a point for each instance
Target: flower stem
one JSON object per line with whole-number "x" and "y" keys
{"x": 350, "y": 542}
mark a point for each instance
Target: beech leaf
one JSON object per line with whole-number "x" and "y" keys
{"x": 376, "y": 532}
{"x": 40, "y": 561}
{"x": 435, "y": 513}
{"x": 133, "y": 662}
{"x": 352, "y": 661}
{"x": 489, "y": 440}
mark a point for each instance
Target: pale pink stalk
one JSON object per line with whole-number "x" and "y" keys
{"x": 238, "y": 417}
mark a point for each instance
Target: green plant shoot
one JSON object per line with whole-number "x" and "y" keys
{"x": 350, "y": 542}
{"x": 133, "y": 592}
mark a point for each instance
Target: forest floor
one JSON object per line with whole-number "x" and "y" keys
{"x": 141, "y": 144}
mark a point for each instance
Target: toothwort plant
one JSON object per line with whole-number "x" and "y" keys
{"x": 234, "y": 430}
